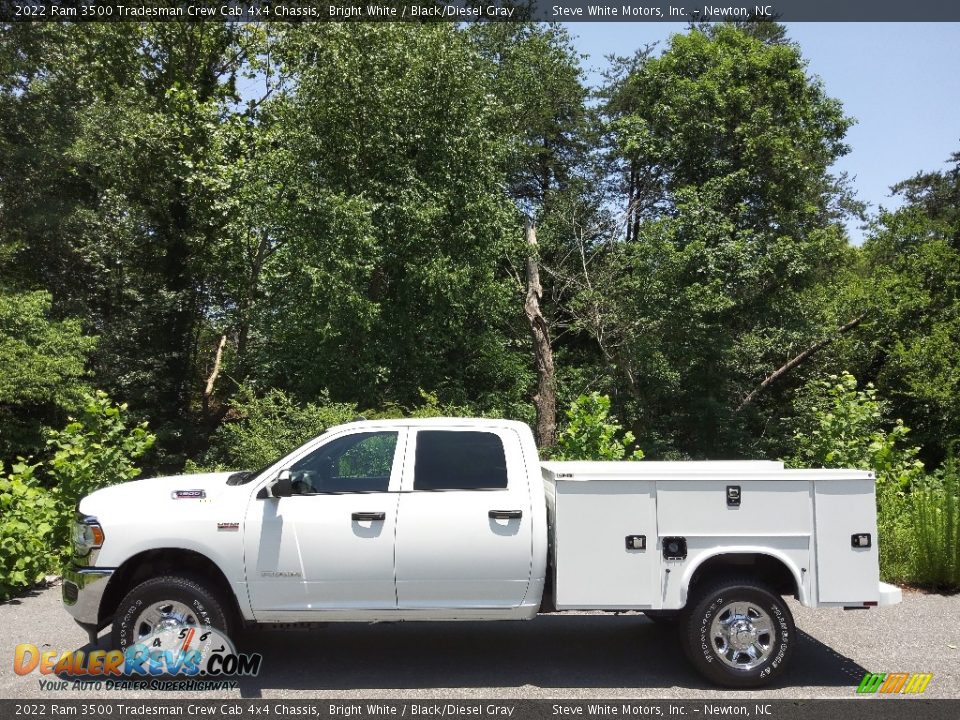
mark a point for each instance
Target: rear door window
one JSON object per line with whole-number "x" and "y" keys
{"x": 459, "y": 460}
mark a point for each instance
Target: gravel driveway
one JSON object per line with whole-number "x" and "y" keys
{"x": 568, "y": 656}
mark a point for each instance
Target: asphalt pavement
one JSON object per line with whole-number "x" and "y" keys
{"x": 567, "y": 656}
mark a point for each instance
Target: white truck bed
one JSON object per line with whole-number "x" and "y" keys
{"x": 611, "y": 522}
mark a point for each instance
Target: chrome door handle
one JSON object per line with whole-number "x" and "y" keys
{"x": 369, "y": 516}
{"x": 505, "y": 514}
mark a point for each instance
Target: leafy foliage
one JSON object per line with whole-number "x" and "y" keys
{"x": 936, "y": 523}
{"x": 94, "y": 450}
{"x": 592, "y": 433}
{"x": 42, "y": 373}
{"x": 914, "y": 264}
{"x": 841, "y": 427}
{"x": 28, "y": 513}
{"x": 719, "y": 149}
{"x": 332, "y": 214}
{"x": 266, "y": 428}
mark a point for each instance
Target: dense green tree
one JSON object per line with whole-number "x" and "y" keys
{"x": 545, "y": 115}
{"x": 42, "y": 370}
{"x": 937, "y": 195}
{"x": 337, "y": 211}
{"x": 284, "y": 206}
{"x": 914, "y": 271}
{"x": 114, "y": 145}
{"x": 722, "y": 145}
{"x": 389, "y": 270}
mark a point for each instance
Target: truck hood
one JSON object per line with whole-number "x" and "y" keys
{"x": 160, "y": 494}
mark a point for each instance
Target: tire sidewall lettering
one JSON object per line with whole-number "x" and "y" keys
{"x": 781, "y": 635}
{"x": 184, "y": 593}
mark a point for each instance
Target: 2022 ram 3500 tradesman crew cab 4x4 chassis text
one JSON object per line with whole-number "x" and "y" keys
{"x": 457, "y": 519}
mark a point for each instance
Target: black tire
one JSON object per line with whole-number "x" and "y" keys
{"x": 725, "y": 663}
{"x": 206, "y": 605}
{"x": 663, "y": 617}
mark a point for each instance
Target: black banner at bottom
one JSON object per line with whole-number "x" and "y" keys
{"x": 862, "y": 708}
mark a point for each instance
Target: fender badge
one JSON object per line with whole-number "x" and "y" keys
{"x": 228, "y": 526}
{"x": 188, "y": 494}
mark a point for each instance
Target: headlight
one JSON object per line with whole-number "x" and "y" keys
{"x": 87, "y": 535}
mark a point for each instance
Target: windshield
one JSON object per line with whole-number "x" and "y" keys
{"x": 244, "y": 476}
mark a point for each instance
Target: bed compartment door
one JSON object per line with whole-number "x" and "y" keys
{"x": 606, "y": 545}
{"x": 848, "y": 571}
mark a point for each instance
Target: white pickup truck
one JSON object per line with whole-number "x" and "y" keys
{"x": 458, "y": 519}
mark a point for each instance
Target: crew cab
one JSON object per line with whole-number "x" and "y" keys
{"x": 458, "y": 519}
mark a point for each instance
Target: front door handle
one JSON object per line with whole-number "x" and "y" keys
{"x": 506, "y": 514}
{"x": 369, "y": 516}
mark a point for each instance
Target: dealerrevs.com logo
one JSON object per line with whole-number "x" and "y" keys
{"x": 185, "y": 652}
{"x": 894, "y": 683}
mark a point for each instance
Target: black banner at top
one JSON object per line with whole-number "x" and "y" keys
{"x": 676, "y": 11}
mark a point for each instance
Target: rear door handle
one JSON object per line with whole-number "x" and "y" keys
{"x": 369, "y": 516}
{"x": 505, "y": 514}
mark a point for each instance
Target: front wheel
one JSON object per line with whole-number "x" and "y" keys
{"x": 166, "y": 604}
{"x": 738, "y": 633}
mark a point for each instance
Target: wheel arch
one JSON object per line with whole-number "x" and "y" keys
{"x": 763, "y": 563}
{"x": 165, "y": 561}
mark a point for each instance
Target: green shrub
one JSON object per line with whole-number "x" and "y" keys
{"x": 263, "y": 429}
{"x": 42, "y": 369}
{"x": 266, "y": 428}
{"x": 591, "y": 433}
{"x": 895, "y": 533}
{"x": 94, "y": 450}
{"x": 841, "y": 426}
{"x": 28, "y": 513}
{"x": 430, "y": 407}
{"x": 936, "y": 525}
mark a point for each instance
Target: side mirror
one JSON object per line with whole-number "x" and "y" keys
{"x": 283, "y": 486}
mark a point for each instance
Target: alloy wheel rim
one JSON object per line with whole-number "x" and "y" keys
{"x": 165, "y": 616}
{"x": 742, "y": 635}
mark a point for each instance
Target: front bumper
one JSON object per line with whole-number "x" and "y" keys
{"x": 82, "y": 591}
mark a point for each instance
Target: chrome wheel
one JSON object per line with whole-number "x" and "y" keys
{"x": 742, "y": 635}
{"x": 164, "y": 617}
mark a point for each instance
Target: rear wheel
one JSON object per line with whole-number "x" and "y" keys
{"x": 738, "y": 633}
{"x": 166, "y": 603}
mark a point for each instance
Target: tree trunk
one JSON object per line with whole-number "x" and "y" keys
{"x": 214, "y": 374}
{"x": 798, "y": 360}
{"x": 546, "y": 398}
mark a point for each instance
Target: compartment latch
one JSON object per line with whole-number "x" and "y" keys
{"x": 733, "y": 496}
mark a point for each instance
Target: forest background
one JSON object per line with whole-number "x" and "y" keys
{"x": 445, "y": 219}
